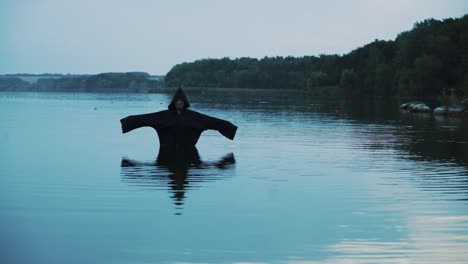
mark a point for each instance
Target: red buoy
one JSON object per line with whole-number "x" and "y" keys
{"x": 337, "y": 111}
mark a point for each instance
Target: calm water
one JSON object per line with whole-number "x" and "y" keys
{"x": 297, "y": 185}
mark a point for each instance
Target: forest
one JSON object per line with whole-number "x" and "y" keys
{"x": 427, "y": 61}
{"x": 421, "y": 62}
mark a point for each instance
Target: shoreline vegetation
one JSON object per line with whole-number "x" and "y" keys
{"x": 130, "y": 82}
{"x": 422, "y": 63}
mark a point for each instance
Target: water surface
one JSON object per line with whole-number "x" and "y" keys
{"x": 297, "y": 185}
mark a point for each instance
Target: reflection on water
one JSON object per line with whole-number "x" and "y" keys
{"x": 180, "y": 170}
{"x": 370, "y": 185}
{"x": 432, "y": 239}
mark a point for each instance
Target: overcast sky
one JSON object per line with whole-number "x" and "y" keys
{"x": 92, "y": 36}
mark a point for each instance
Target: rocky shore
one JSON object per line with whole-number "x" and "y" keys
{"x": 460, "y": 109}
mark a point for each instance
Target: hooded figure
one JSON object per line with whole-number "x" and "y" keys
{"x": 178, "y": 127}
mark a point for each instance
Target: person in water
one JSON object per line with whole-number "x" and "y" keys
{"x": 178, "y": 127}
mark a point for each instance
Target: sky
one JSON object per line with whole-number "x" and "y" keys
{"x": 93, "y": 36}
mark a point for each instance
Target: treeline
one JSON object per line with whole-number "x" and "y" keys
{"x": 104, "y": 82}
{"x": 277, "y": 72}
{"x": 420, "y": 62}
{"x": 13, "y": 84}
{"x": 41, "y": 75}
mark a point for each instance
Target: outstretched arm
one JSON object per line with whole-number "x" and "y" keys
{"x": 136, "y": 121}
{"x": 224, "y": 127}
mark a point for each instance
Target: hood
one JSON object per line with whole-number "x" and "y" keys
{"x": 179, "y": 95}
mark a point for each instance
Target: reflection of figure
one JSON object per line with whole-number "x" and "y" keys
{"x": 178, "y": 127}
{"x": 178, "y": 163}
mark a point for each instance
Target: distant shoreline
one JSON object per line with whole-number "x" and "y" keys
{"x": 138, "y": 82}
{"x": 420, "y": 63}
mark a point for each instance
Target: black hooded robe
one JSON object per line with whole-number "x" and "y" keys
{"x": 178, "y": 130}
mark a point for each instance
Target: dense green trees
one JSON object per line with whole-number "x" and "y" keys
{"x": 277, "y": 72}
{"x": 421, "y": 62}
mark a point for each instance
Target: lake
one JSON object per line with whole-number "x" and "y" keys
{"x": 299, "y": 184}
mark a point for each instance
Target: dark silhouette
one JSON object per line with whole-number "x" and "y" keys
{"x": 172, "y": 167}
{"x": 178, "y": 127}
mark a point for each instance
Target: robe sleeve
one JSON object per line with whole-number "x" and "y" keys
{"x": 132, "y": 122}
{"x": 224, "y": 127}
